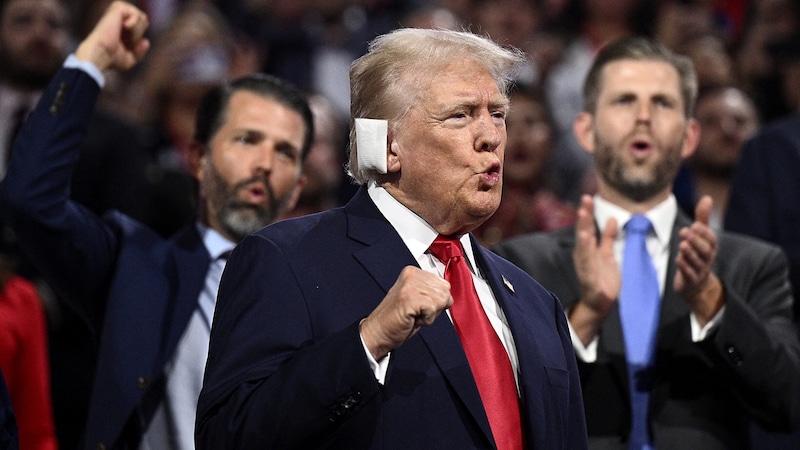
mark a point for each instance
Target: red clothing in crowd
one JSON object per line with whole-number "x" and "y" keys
{"x": 24, "y": 360}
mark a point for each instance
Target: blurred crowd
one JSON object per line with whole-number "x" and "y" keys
{"x": 749, "y": 46}
{"x": 746, "y": 54}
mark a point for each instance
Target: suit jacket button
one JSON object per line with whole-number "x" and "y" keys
{"x": 143, "y": 382}
{"x": 101, "y": 446}
{"x": 352, "y": 400}
{"x": 734, "y": 356}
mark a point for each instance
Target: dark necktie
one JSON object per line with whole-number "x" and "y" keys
{"x": 213, "y": 276}
{"x": 487, "y": 357}
{"x": 639, "y": 306}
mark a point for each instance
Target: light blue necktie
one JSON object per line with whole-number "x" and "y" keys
{"x": 639, "y": 306}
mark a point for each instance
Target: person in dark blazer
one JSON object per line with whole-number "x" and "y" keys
{"x": 150, "y": 300}
{"x": 336, "y": 330}
{"x": 725, "y": 351}
{"x": 763, "y": 200}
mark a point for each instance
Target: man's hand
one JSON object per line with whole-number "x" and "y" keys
{"x": 416, "y": 300}
{"x": 697, "y": 251}
{"x": 117, "y": 41}
{"x": 597, "y": 271}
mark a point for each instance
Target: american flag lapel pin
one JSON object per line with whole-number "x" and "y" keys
{"x": 508, "y": 283}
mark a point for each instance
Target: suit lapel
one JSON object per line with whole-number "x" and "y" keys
{"x": 190, "y": 261}
{"x": 672, "y": 305}
{"x": 383, "y": 258}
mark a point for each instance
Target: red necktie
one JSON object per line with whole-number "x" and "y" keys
{"x": 487, "y": 357}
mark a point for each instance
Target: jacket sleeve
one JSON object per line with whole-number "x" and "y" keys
{"x": 756, "y": 346}
{"x": 71, "y": 247}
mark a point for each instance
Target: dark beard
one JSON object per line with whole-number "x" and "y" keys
{"x": 30, "y": 79}
{"x": 240, "y": 219}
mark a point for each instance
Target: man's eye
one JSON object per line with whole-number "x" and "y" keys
{"x": 289, "y": 152}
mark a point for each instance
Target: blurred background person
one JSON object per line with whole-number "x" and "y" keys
{"x": 529, "y": 201}
{"x": 727, "y": 118}
{"x": 712, "y": 60}
{"x": 768, "y": 22}
{"x": 324, "y": 165}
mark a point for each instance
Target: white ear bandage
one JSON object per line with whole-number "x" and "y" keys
{"x": 371, "y": 141}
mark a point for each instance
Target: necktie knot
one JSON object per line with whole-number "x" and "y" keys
{"x": 638, "y": 224}
{"x": 446, "y": 249}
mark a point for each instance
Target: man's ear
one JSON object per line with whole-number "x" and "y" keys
{"x": 583, "y": 128}
{"x": 197, "y": 159}
{"x": 298, "y": 188}
{"x": 691, "y": 138}
{"x": 393, "y": 159}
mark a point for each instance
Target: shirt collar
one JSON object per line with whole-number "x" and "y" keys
{"x": 662, "y": 216}
{"x": 215, "y": 243}
{"x": 415, "y": 232}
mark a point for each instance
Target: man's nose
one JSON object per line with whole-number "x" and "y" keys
{"x": 644, "y": 112}
{"x": 490, "y": 135}
{"x": 263, "y": 159}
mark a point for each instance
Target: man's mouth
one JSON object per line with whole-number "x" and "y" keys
{"x": 256, "y": 192}
{"x": 491, "y": 176}
{"x": 641, "y": 147}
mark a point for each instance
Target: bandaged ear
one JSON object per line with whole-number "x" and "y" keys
{"x": 371, "y": 141}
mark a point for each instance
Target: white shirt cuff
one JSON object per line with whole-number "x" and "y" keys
{"x": 378, "y": 368}
{"x": 700, "y": 333}
{"x": 73, "y": 62}
{"x": 586, "y": 353}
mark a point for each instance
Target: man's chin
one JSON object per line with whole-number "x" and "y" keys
{"x": 245, "y": 221}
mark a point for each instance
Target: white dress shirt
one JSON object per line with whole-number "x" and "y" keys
{"x": 172, "y": 425}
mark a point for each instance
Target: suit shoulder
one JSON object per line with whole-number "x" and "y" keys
{"x": 291, "y": 232}
{"x": 738, "y": 243}
{"x": 541, "y": 241}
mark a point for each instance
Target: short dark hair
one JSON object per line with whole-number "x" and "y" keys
{"x": 640, "y": 49}
{"x": 214, "y": 106}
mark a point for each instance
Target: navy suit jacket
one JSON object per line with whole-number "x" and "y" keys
{"x": 705, "y": 394}
{"x": 287, "y": 368}
{"x": 135, "y": 289}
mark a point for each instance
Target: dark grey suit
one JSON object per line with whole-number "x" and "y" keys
{"x": 705, "y": 393}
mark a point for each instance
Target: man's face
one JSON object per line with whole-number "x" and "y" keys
{"x": 251, "y": 174}
{"x": 449, "y": 149}
{"x": 529, "y": 140}
{"x": 639, "y": 132}
{"x": 33, "y": 41}
{"x": 727, "y": 119}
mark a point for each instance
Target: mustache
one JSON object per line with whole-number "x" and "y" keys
{"x": 256, "y": 179}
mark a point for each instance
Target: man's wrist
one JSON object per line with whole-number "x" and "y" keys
{"x": 73, "y": 62}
